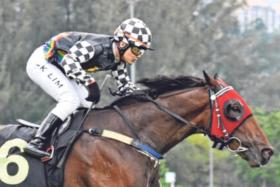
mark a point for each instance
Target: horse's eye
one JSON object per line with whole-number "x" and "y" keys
{"x": 235, "y": 107}
{"x": 233, "y": 110}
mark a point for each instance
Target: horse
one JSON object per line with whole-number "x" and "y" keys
{"x": 122, "y": 144}
{"x": 182, "y": 108}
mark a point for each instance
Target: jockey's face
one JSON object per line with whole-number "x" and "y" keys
{"x": 129, "y": 57}
{"x": 131, "y": 54}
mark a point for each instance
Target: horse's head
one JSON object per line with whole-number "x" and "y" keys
{"x": 234, "y": 126}
{"x": 193, "y": 102}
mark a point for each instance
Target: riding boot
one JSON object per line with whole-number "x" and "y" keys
{"x": 37, "y": 145}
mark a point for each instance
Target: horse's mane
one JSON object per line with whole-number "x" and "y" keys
{"x": 161, "y": 85}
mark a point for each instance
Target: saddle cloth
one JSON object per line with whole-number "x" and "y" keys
{"x": 31, "y": 172}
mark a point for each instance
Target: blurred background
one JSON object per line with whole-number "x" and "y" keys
{"x": 237, "y": 39}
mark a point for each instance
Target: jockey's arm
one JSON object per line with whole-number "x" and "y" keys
{"x": 79, "y": 53}
{"x": 125, "y": 86}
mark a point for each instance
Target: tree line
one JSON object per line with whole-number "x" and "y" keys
{"x": 188, "y": 37}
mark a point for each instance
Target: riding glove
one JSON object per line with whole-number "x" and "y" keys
{"x": 93, "y": 92}
{"x": 127, "y": 89}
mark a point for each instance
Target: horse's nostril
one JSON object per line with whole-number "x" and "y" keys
{"x": 267, "y": 153}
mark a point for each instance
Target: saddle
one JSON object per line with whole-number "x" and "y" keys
{"x": 51, "y": 172}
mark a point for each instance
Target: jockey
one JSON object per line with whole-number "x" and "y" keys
{"x": 62, "y": 65}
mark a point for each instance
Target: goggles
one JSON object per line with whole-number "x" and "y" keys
{"x": 137, "y": 51}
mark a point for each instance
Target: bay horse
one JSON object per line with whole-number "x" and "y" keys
{"x": 183, "y": 106}
{"x": 123, "y": 143}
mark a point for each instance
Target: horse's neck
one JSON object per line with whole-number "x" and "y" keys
{"x": 162, "y": 131}
{"x": 153, "y": 126}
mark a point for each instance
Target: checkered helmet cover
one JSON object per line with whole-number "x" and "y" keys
{"x": 134, "y": 31}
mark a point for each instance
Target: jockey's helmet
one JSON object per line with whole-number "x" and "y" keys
{"x": 134, "y": 32}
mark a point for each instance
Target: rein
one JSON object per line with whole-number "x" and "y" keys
{"x": 223, "y": 140}
{"x": 136, "y": 143}
{"x": 227, "y": 137}
{"x": 127, "y": 122}
{"x": 166, "y": 110}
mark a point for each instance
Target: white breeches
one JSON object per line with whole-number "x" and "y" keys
{"x": 68, "y": 94}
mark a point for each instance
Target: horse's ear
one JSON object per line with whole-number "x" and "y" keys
{"x": 207, "y": 78}
{"x": 209, "y": 81}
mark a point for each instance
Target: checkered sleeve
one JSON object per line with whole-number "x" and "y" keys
{"x": 125, "y": 86}
{"x": 79, "y": 53}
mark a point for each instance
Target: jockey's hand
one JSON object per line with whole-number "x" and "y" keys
{"x": 116, "y": 93}
{"x": 138, "y": 92}
{"x": 121, "y": 93}
{"x": 127, "y": 92}
{"x": 127, "y": 89}
{"x": 93, "y": 92}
